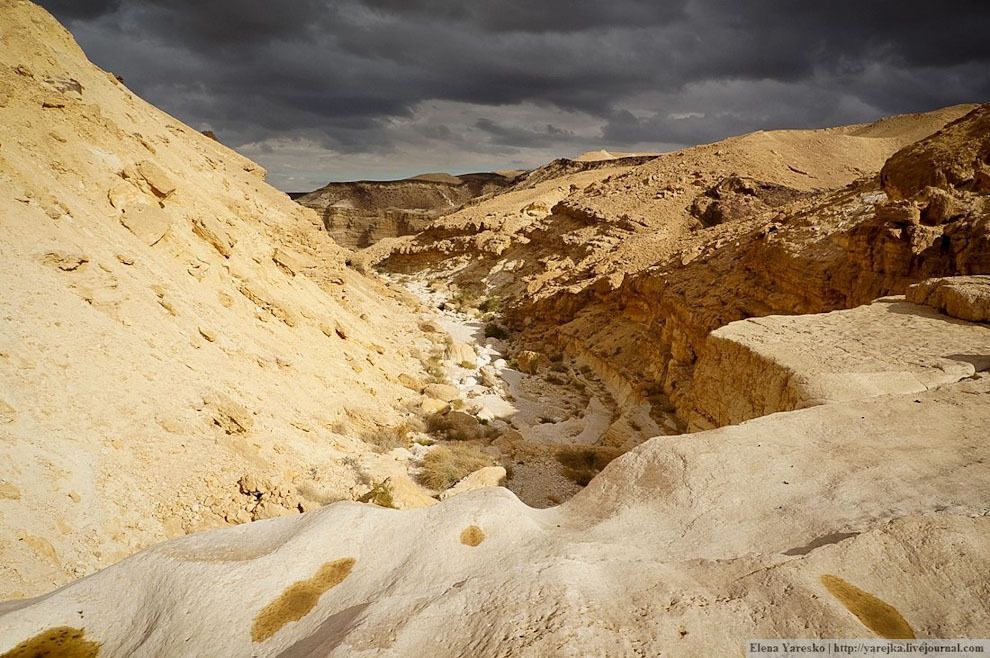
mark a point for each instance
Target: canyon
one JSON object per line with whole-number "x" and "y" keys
{"x": 600, "y": 407}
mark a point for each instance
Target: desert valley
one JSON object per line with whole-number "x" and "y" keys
{"x": 618, "y": 404}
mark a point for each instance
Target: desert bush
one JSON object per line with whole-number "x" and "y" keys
{"x": 459, "y": 427}
{"x": 434, "y": 369}
{"x": 492, "y": 304}
{"x": 380, "y": 494}
{"x": 439, "y": 425}
{"x": 468, "y": 297}
{"x": 393, "y": 436}
{"x": 582, "y": 463}
{"x": 495, "y": 330}
{"x": 445, "y": 466}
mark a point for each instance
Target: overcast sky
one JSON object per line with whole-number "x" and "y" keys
{"x": 319, "y": 90}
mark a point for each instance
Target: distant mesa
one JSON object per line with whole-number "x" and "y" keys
{"x": 358, "y": 214}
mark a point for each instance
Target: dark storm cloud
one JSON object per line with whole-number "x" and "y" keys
{"x": 512, "y": 136}
{"x": 404, "y": 78}
{"x": 545, "y": 16}
{"x": 69, "y": 9}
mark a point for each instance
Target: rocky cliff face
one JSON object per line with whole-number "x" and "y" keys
{"x": 828, "y": 251}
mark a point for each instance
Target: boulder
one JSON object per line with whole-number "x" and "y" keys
{"x": 9, "y": 491}
{"x": 431, "y": 406}
{"x": 462, "y": 354}
{"x": 406, "y": 494}
{"x": 963, "y": 297}
{"x": 228, "y": 415}
{"x": 410, "y": 382}
{"x": 156, "y": 178}
{"x": 531, "y": 362}
{"x": 398, "y": 492}
{"x": 442, "y": 392}
{"x": 290, "y": 261}
{"x": 124, "y": 194}
{"x": 490, "y": 476}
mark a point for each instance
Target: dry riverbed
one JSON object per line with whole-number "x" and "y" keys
{"x": 546, "y": 418}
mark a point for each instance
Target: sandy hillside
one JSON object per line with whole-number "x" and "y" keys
{"x": 171, "y": 324}
{"x": 603, "y": 154}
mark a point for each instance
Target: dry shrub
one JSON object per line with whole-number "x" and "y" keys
{"x": 380, "y": 494}
{"x": 445, "y": 466}
{"x": 495, "y": 330}
{"x": 434, "y": 368}
{"x": 582, "y": 463}
{"x": 394, "y": 436}
{"x": 492, "y": 304}
{"x": 439, "y": 425}
{"x": 468, "y": 297}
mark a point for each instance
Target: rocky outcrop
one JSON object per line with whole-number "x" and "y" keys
{"x": 756, "y": 367}
{"x": 735, "y": 198}
{"x": 963, "y": 297}
{"x": 955, "y": 159}
{"x": 831, "y": 251}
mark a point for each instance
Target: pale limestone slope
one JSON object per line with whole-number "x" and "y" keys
{"x": 170, "y": 323}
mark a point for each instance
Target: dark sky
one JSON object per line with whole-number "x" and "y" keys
{"x": 319, "y": 90}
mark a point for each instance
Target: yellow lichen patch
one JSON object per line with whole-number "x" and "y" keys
{"x": 62, "y": 641}
{"x": 472, "y": 535}
{"x": 299, "y": 599}
{"x": 880, "y": 617}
